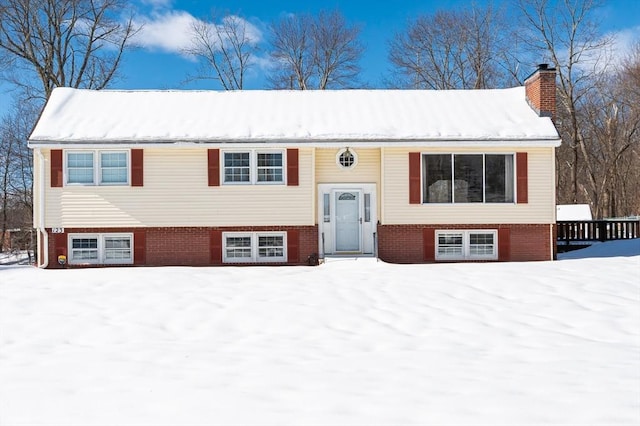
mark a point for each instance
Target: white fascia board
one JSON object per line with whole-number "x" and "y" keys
{"x": 489, "y": 143}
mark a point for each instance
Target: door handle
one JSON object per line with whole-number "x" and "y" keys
{"x": 360, "y": 220}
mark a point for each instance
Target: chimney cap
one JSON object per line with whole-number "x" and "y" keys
{"x": 545, "y": 67}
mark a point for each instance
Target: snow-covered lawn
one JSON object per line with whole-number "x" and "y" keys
{"x": 352, "y": 342}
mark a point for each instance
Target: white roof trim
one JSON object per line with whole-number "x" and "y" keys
{"x": 539, "y": 143}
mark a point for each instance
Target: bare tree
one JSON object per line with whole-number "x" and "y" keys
{"x": 225, "y": 50}
{"x": 73, "y": 43}
{"x": 16, "y": 168}
{"x": 469, "y": 48}
{"x": 612, "y": 140}
{"x": 565, "y": 32}
{"x": 320, "y": 52}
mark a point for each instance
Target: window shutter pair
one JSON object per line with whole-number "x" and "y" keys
{"x": 429, "y": 244}
{"x": 137, "y": 168}
{"x": 213, "y": 167}
{"x": 522, "y": 185}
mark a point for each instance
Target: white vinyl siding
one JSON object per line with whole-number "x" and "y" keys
{"x": 539, "y": 209}
{"x": 176, "y": 193}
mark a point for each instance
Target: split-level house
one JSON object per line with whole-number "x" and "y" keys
{"x": 289, "y": 177}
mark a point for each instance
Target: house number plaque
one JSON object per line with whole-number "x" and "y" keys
{"x": 57, "y": 230}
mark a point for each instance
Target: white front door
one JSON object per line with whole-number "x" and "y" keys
{"x": 347, "y": 218}
{"x": 348, "y": 221}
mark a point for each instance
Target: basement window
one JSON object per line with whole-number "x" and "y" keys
{"x": 100, "y": 249}
{"x": 254, "y": 247}
{"x": 467, "y": 245}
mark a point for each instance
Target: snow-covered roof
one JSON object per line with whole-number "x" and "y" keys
{"x": 108, "y": 116}
{"x": 573, "y": 212}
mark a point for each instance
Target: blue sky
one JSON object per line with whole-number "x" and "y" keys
{"x": 159, "y": 65}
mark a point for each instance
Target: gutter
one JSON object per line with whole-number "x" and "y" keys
{"x": 300, "y": 143}
{"x": 43, "y": 237}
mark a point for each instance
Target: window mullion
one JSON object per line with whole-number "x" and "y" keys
{"x": 253, "y": 167}
{"x": 484, "y": 176}
{"x": 97, "y": 165}
{"x": 453, "y": 178}
{"x": 254, "y": 247}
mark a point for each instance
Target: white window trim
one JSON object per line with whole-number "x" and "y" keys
{"x": 253, "y": 166}
{"x": 484, "y": 154}
{"x": 97, "y": 166}
{"x": 255, "y": 258}
{"x": 101, "y": 249}
{"x": 466, "y": 246}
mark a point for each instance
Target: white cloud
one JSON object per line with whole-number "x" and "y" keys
{"x": 169, "y": 31}
{"x": 623, "y": 42}
{"x": 158, "y": 4}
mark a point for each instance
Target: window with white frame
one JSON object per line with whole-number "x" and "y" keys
{"x": 97, "y": 167}
{"x": 253, "y": 247}
{"x": 253, "y": 167}
{"x": 99, "y": 249}
{"x": 466, "y": 245}
{"x": 468, "y": 178}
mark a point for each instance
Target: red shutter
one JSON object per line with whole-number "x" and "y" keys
{"x": 504, "y": 244}
{"x": 215, "y": 244}
{"x": 522, "y": 178}
{"x": 137, "y": 167}
{"x": 292, "y": 167}
{"x": 60, "y": 244}
{"x": 414, "y": 178}
{"x": 429, "y": 244}
{"x": 139, "y": 247}
{"x": 293, "y": 244}
{"x": 56, "y": 168}
{"x": 213, "y": 167}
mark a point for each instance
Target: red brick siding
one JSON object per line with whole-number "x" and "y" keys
{"x": 187, "y": 246}
{"x": 540, "y": 90}
{"x": 405, "y": 244}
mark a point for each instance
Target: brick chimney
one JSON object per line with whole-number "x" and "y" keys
{"x": 540, "y": 88}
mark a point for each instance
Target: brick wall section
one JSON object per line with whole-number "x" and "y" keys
{"x": 188, "y": 246}
{"x": 540, "y": 90}
{"x": 404, "y": 244}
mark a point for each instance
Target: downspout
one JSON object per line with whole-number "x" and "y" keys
{"x": 43, "y": 237}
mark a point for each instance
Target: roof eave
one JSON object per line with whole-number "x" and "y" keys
{"x": 314, "y": 143}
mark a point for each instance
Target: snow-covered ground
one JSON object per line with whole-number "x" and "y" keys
{"x": 351, "y": 342}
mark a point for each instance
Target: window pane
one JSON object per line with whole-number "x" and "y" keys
{"x": 450, "y": 245}
{"x": 117, "y": 248}
{"x": 499, "y": 178}
{"x": 236, "y": 167}
{"x": 271, "y": 246}
{"x": 84, "y": 249}
{"x": 238, "y": 247}
{"x": 437, "y": 176}
{"x": 269, "y": 160}
{"x": 270, "y": 167}
{"x": 113, "y": 167}
{"x": 481, "y": 244}
{"x": 327, "y": 208}
{"x": 468, "y": 179}
{"x": 80, "y": 167}
{"x": 367, "y": 207}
